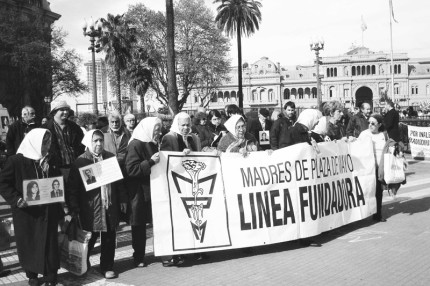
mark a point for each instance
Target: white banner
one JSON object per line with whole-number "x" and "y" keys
{"x": 419, "y": 141}
{"x": 202, "y": 202}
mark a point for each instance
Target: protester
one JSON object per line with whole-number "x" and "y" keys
{"x": 215, "y": 126}
{"x": 379, "y": 138}
{"x": 232, "y": 109}
{"x": 142, "y": 154}
{"x": 276, "y": 114}
{"x": 237, "y": 140}
{"x": 66, "y": 138}
{"x": 201, "y": 129}
{"x": 391, "y": 120}
{"x": 319, "y": 132}
{"x": 300, "y": 132}
{"x": 36, "y": 227}
{"x": 281, "y": 126}
{"x": 166, "y": 121}
{"x": 179, "y": 139}
{"x": 262, "y": 123}
{"x": 334, "y": 113}
{"x": 359, "y": 121}
{"x": 97, "y": 209}
{"x": 19, "y": 129}
{"x": 130, "y": 122}
{"x": 116, "y": 137}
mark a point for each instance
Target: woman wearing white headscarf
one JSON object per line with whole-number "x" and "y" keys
{"x": 319, "y": 132}
{"x": 35, "y": 226}
{"x": 180, "y": 138}
{"x": 237, "y": 140}
{"x": 142, "y": 154}
{"x": 98, "y": 209}
{"x": 300, "y": 132}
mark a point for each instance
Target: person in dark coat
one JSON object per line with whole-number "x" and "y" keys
{"x": 36, "y": 227}
{"x": 201, "y": 129}
{"x": 391, "y": 120}
{"x": 281, "y": 126}
{"x": 142, "y": 154}
{"x": 360, "y": 121}
{"x": 301, "y": 130}
{"x": 216, "y": 127}
{"x": 98, "y": 209}
{"x": 19, "y": 129}
{"x": 66, "y": 138}
{"x": 262, "y": 123}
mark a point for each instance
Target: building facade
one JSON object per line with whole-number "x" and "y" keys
{"x": 357, "y": 76}
{"x": 101, "y": 80}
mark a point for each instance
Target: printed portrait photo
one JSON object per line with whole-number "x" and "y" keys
{"x": 56, "y": 189}
{"x": 33, "y": 192}
{"x": 4, "y": 121}
{"x": 89, "y": 176}
{"x": 264, "y": 137}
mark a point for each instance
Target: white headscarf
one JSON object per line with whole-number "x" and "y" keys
{"x": 175, "y": 124}
{"x": 230, "y": 124}
{"x": 31, "y": 146}
{"x": 87, "y": 141}
{"x": 309, "y": 117}
{"x": 321, "y": 127}
{"x": 144, "y": 131}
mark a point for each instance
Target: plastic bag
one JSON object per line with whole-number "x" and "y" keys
{"x": 394, "y": 169}
{"x": 73, "y": 243}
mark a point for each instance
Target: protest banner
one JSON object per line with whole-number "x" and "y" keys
{"x": 101, "y": 173}
{"x": 43, "y": 191}
{"x": 419, "y": 142}
{"x": 201, "y": 202}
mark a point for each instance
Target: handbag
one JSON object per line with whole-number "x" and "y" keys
{"x": 394, "y": 169}
{"x": 73, "y": 243}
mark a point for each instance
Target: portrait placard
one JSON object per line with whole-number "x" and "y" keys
{"x": 264, "y": 137}
{"x": 43, "y": 191}
{"x": 100, "y": 173}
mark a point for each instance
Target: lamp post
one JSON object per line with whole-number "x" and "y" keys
{"x": 47, "y": 99}
{"x": 93, "y": 33}
{"x": 317, "y": 46}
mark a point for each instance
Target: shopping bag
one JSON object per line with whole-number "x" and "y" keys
{"x": 73, "y": 243}
{"x": 394, "y": 169}
{"x": 5, "y": 234}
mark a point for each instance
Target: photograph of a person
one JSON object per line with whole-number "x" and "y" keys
{"x": 33, "y": 193}
{"x": 264, "y": 137}
{"x": 4, "y": 121}
{"x": 56, "y": 191}
{"x": 90, "y": 177}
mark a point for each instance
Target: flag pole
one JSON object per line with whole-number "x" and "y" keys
{"x": 391, "y": 41}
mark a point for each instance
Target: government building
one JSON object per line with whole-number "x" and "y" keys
{"x": 357, "y": 76}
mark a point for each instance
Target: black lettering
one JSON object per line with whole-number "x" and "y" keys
{"x": 263, "y": 209}
{"x": 246, "y": 178}
{"x": 243, "y": 225}
{"x": 288, "y": 208}
{"x": 334, "y": 199}
{"x": 313, "y": 203}
{"x": 273, "y": 173}
{"x": 359, "y": 191}
{"x": 305, "y": 169}
{"x": 275, "y": 207}
{"x": 287, "y": 169}
{"x": 327, "y": 195}
{"x": 264, "y": 172}
{"x": 298, "y": 168}
{"x": 303, "y": 202}
{"x": 253, "y": 215}
{"x": 349, "y": 163}
{"x": 349, "y": 191}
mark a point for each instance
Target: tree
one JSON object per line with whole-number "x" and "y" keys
{"x": 65, "y": 63}
{"x": 201, "y": 49}
{"x": 172, "y": 89}
{"x": 117, "y": 41}
{"x": 240, "y": 17}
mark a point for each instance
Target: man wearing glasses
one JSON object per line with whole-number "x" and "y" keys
{"x": 130, "y": 122}
{"x": 19, "y": 129}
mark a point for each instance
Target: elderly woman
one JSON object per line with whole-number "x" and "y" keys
{"x": 35, "y": 226}
{"x": 98, "y": 209}
{"x": 334, "y": 113}
{"x": 319, "y": 132}
{"x": 379, "y": 140}
{"x": 301, "y": 130}
{"x": 142, "y": 154}
{"x": 237, "y": 140}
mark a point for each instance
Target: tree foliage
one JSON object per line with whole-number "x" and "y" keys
{"x": 201, "y": 50}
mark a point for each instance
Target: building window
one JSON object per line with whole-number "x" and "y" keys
{"x": 414, "y": 89}
{"x": 220, "y": 97}
{"x": 373, "y": 69}
{"x": 335, "y": 71}
{"x": 300, "y": 93}
{"x": 368, "y": 70}
{"x": 314, "y": 92}
{"x": 353, "y": 71}
{"x": 213, "y": 97}
{"x": 328, "y": 72}
{"x": 233, "y": 95}
{"x": 346, "y": 93}
{"x": 293, "y": 93}
{"x": 332, "y": 91}
{"x": 287, "y": 93}
{"x": 396, "y": 89}
{"x": 307, "y": 92}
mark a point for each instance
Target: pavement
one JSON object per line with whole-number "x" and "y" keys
{"x": 396, "y": 252}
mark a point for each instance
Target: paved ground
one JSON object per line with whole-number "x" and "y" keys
{"x": 396, "y": 252}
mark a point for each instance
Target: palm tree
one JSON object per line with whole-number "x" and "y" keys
{"x": 117, "y": 41}
{"x": 238, "y": 17}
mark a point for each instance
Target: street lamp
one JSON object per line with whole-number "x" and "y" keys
{"x": 317, "y": 46}
{"x": 93, "y": 33}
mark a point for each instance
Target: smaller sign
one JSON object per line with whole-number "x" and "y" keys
{"x": 101, "y": 173}
{"x": 264, "y": 137}
{"x": 43, "y": 191}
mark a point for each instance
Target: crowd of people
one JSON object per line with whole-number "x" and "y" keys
{"x": 60, "y": 147}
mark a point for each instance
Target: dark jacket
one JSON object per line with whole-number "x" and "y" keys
{"x": 205, "y": 135}
{"x": 35, "y": 226}
{"x": 110, "y": 145}
{"x": 391, "y": 123}
{"x": 335, "y": 131}
{"x": 297, "y": 134}
{"x": 138, "y": 165}
{"x": 216, "y": 131}
{"x": 89, "y": 204}
{"x": 356, "y": 125}
{"x": 16, "y": 134}
{"x": 76, "y": 136}
{"x": 170, "y": 142}
{"x": 278, "y": 133}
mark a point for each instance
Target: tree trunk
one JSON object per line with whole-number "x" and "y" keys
{"x": 118, "y": 90}
{"x": 172, "y": 90}
{"x": 239, "y": 65}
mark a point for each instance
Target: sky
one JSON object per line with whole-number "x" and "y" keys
{"x": 287, "y": 27}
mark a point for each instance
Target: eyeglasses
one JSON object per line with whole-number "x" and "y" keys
{"x": 373, "y": 123}
{"x": 204, "y": 119}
